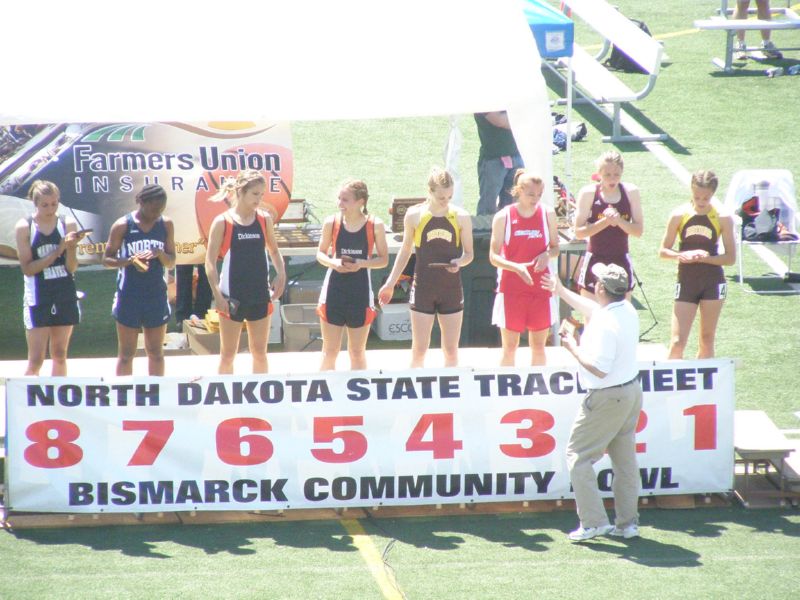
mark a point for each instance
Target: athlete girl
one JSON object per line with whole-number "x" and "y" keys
{"x": 141, "y": 245}
{"x": 346, "y": 300}
{"x": 524, "y": 239}
{"x": 47, "y": 248}
{"x": 698, "y": 226}
{"x": 241, "y": 237}
{"x": 441, "y": 235}
{"x": 608, "y": 212}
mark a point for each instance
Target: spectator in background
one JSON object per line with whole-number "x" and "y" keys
{"x": 498, "y": 160}
{"x": 47, "y": 247}
{"x": 242, "y": 237}
{"x": 607, "y": 213}
{"x": 441, "y": 235}
{"x": 191, "y": 299}
{"x": 699, "y": 228}
{"x": 347, "y": 243}
{"x": 141, "y": 245}
{"x": 767, "y": 47}
{"x": 524, "y": 239}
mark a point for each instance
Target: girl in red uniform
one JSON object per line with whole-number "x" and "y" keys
{"x": 442, "y": 237}
{"x": 607, "y": 213}
{"x": 346, "y": 299}
{"x": 698, "y": 226}
{"x": 524, "y": 239}
{"x": 241, "y": 290}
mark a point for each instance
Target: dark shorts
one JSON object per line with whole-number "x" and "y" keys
{"x": 55, "y": 314}
{"x": 431, "y": 301}
{"x": 346, "y": 316}
{"x": 136, "y": 313}
{"x": 251, "y": 312}
{"x": 586, "y": 278}
{"x": 694, "y": 290}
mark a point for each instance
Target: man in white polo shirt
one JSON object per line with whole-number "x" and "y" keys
{"x": 610, "y": 410}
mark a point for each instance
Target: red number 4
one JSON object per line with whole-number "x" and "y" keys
{"x": 442, "y": 441}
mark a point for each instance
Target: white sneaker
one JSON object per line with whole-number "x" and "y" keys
{"x": 770, "y": 51}
{"x": 739, "y": 50}
{"x": 581, "y": 534}
{"x": 631, "y": 531}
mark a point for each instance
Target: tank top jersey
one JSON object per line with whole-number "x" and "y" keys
{"x": 438, "y": 240}
{"x": 349, "y": 289}
{"x": 130, "y": 281}
{"x": 699, "y": 232}
{"x": 245, "y": 265}
{"x": 612, "y": 241}
{"x": 525, "y": 239}
{"x": 55, "y": 283}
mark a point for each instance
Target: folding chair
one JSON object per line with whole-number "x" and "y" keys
{"x": 775, "y": 189}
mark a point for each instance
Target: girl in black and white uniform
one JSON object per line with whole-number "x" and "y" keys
{"x": 47, "y": 246}
{"x": 346, "y": 300}
{"x": 242, "y": 237}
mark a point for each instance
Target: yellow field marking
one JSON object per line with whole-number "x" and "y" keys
{"x": 372, "y": 557}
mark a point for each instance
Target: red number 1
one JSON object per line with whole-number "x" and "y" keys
{"x": 705, "y": 425}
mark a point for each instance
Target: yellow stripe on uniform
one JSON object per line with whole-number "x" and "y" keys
{"x": 373, "y": 559}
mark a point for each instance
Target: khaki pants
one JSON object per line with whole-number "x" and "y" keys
{"x": 607, "y": 421}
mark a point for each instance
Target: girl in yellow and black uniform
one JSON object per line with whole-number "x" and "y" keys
{"x": 442, "y": 237}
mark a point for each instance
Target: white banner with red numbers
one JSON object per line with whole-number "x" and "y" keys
{"x": 369, "y": 438}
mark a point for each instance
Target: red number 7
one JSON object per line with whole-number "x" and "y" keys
{"x": 153, "y": 442}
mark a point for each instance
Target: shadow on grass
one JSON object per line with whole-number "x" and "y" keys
{"x": 534, "y": 532}
{"x": 769, "y": 283}
{"x": 234, "y": 539}
{"x": 646, "y": 552}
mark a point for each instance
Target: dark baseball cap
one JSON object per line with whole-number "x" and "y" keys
{"x": 613, "y": 277}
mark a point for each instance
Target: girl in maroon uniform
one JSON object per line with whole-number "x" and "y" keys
{"x": 524, "y": 239}
{"x": 346, "y": 299}
{"x": 698, "y": 226}
{"x": 607, "y": 213}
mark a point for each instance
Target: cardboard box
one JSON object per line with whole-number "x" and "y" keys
{"x": 202, "y": 341}
{"x": 301, "y": 328}
{"x": 175, "y": 344}
{"x": 393, "y": 322}
{"x": 304, "y": 291}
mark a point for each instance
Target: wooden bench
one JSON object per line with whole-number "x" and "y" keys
{"x": 593, "y": 81}
{"x": 787, "y": 19}
{"x": 762, "y": 449}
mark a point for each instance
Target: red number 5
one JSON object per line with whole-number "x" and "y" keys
{"x": 354, "y": 442}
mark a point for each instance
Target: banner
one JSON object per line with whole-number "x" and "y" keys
{"x": 99, "y": 168}
{"x": 346, "y": 439}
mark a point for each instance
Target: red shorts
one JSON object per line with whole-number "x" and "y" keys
{"x": 517, "y": 312}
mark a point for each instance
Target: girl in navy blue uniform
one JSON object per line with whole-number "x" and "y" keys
{"x": 241, "y": 237}
{"x": 142, "y": 246}
{"x": 346, "y": 299}
{"x": 47, "y": 247}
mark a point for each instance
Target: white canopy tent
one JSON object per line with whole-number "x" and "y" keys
{"x": 281, "y": 60}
